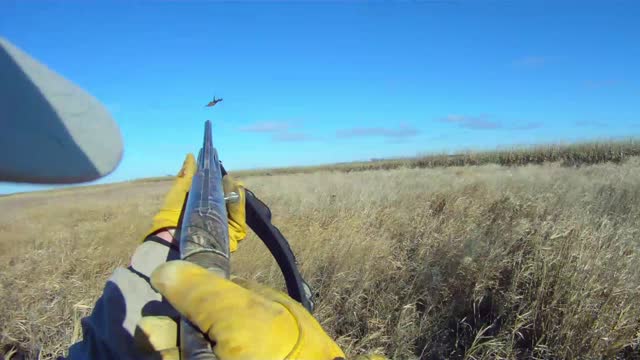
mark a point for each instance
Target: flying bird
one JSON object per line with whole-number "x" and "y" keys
{"x": 213, "y": 102}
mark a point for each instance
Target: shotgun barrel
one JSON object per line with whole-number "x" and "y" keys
{"x": 204, "y": 235}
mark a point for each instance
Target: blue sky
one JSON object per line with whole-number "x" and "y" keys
{"x": 309, "y": 83}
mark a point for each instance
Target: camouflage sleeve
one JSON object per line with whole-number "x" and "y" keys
{"x": 108, "y": 333}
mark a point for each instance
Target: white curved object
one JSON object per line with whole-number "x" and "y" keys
{"x": 51, "y": 131}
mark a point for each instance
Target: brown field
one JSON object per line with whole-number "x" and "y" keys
{"x": 462, "y": 262}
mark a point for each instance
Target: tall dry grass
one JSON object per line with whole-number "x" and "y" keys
{"x": 467, "y": 262}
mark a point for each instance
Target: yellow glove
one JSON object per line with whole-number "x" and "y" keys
{"x": 235, "y": 211}
{"x": 169, "y": 214}
{"x": 244, "y": 320}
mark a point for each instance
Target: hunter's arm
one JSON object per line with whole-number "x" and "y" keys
{"x": 108, "y": 333}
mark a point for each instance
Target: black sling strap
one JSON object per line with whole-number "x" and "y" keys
{"x": 259, "y": 220}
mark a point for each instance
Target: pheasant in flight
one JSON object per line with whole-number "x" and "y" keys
{"x": 213, "y": 102}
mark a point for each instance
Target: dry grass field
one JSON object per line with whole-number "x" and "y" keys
{"x": 472, "y": 262}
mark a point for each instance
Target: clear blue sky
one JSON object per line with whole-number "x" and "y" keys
{"x": 309, "y": 83}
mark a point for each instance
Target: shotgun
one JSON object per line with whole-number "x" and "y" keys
{"x": 204, "y": 238}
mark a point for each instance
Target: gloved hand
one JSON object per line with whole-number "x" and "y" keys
{"x": 235, "y": 211}
{"x": 243, "y": 319}
{"x": 169, "y": 214}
